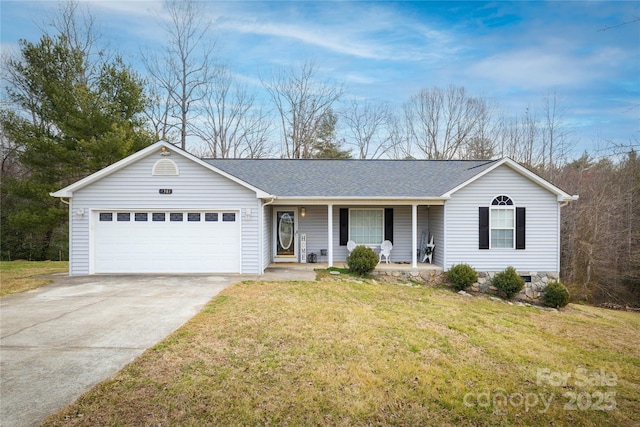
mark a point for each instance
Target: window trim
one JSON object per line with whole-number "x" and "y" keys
{"x": 484, "y": 224}
{"x": 382, "y": 225}
{"x": 494, "y": 208}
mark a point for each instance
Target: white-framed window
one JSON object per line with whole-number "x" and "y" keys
{"x": 366, "y": 226}
{"x": 502, "y": 223}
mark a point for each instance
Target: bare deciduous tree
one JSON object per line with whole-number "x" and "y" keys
{"x": 441, "y": 121}
{"x": 483, "y": 144}
{"x": 231, "y": 123}
{"x": 367, "y": 126}
{"x": 301, "y": 101}
{"x": 400, "y": 146}
{"x": 517, "y": 137}
{"x": 185, "y": 66}
{"x": 159, "y": 113}
{"x": 554, "y": 144}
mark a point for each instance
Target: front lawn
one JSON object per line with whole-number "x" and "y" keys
{"x": 20, "y": 276}
{"x": 348, "y": 352}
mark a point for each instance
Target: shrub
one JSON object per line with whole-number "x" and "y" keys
{"x": 508, "y": 282}
{"x": 555, "y": 295}
{"x": 461, "y": 276}
{"x": 362, "y": 260}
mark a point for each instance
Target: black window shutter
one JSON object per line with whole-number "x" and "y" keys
{"x": 484, "y": 228}
{"x": 520, "y": 228}
{"x": 344, "y": 226}
{"x": 388, "y": 224}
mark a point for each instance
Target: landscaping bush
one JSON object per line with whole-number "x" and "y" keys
{"x": 461, "y": 276}
{"x": 362, "y": 260}
{"x": 555, "y": 295}
{"x": 508, "y": 282}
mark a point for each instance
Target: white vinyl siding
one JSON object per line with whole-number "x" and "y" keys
{"x": 134, "y": 188}
{"x": 402, "y": 238}
{"x": 314, "y": 225}
{"x": 542, "y": 240}
{"x": 437, "y": 230}
{"x": 267, "y": 242}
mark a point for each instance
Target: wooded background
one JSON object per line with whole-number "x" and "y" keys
{"x": 71, "y": 107}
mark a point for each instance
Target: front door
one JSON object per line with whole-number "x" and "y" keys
{"x": 285, "y": 235}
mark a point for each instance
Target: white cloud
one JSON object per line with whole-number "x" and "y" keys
{"x": 376, "y": 32}
{"x": 333, "y": 42}
{"x": 540, "y": 67}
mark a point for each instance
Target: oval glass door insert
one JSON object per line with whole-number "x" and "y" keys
{"x": 285, "y": 233}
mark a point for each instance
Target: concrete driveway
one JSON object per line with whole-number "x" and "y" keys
{"x": 58, "y": 341}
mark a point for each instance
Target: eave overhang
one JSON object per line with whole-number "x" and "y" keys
{"x": 160, "y": 146}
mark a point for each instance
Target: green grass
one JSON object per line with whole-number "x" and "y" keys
{"x": 352, "y": 352}
{"x": 21, "y": 276}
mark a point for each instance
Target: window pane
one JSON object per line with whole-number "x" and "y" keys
{"x": 502, "y": 218}
{"x": 175, "y": 216}
{"x": 193, "y": 216}
{"x": 211, "y": 216}
{"x": 124, "y": 216}
{"x": 229, "y": 216}
{"x": 141, "y": 216}
{"x": 158, "y": 216}
{"x": 106, "y": 216}
{"x": 502, "y": 238}
{"x": 366, "y": 226}
{"x": 502, "y": 201}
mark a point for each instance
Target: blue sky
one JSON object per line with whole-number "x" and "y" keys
{"x": 510, "y": 52}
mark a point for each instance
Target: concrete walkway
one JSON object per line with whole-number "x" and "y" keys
{"x": 58, "y": 341}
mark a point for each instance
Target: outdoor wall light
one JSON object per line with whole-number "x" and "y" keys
{"x": 165, "y": 152}
{"x": 303, "y": 212}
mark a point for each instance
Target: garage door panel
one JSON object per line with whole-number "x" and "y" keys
{"x": 167, "y": 246}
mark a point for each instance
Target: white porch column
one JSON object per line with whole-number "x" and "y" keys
{"x": 414, "y": 236}
{"x": 330, "y": 235}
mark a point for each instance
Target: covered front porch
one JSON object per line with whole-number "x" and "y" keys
{"x": 318, "y": 234}
{"x": 427, "y": 273}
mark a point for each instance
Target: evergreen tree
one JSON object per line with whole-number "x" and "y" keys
{"x": 66, "y": 118}
{"x": 325, "y": 145}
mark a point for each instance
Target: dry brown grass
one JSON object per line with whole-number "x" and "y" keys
{"x": 349, "y": 352}
{"x": 21, "y": 276}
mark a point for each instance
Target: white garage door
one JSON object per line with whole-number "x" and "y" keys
{"x": 167, "y": 242}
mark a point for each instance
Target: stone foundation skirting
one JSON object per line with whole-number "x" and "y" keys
{"x": 428, "y": 277}
{"x": 532, "y": 289}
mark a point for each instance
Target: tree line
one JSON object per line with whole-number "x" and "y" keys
{"x": 72, "y": 106}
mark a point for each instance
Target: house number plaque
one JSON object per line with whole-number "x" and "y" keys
{"x": 166, "y": 191}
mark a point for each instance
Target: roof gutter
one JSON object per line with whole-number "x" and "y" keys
{"x": 273, "y": 199}
{"x": 566, "y": 201}
{"x": 325, "y": 198}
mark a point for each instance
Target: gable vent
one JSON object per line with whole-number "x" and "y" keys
{"x": 165, "y": 167}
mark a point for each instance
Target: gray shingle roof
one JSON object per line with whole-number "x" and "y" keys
{"x": 353, "y": 178}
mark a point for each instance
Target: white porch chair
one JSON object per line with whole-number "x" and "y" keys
{"x": 385, "y": 251}
{"x": 351, "y": 245}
